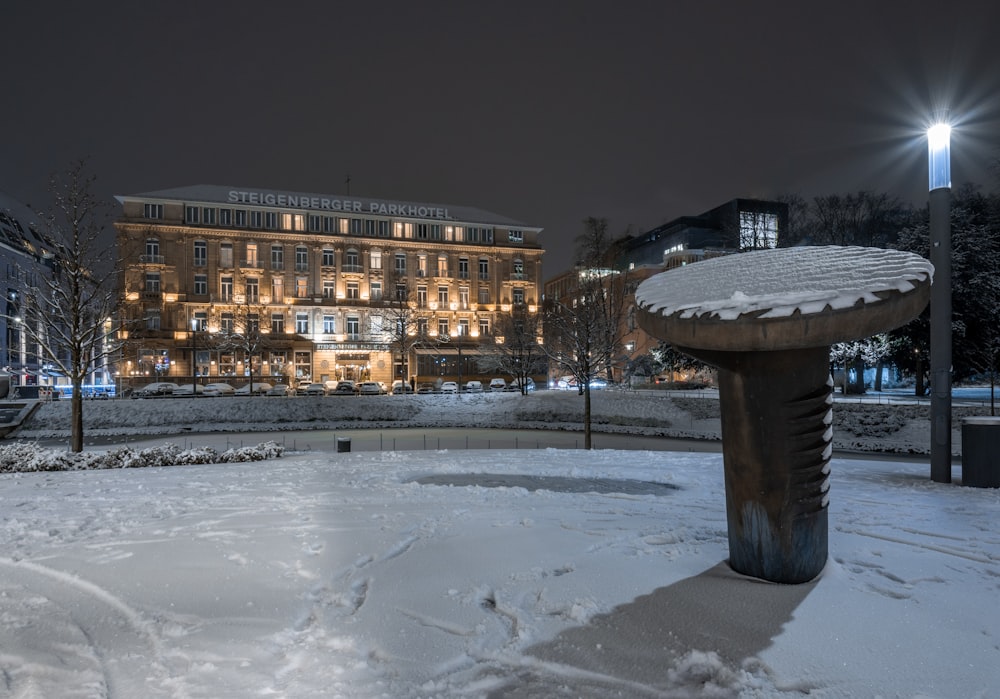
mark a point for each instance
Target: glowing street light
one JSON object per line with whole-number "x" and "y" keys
{"x": 939, "y": 171}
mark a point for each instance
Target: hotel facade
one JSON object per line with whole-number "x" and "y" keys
{"x": 325, "y": 280}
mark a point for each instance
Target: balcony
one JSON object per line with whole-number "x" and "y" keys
{"x": 151, "y": 259}
{"x": 251, "y": 264}
{"x": 355, "y": 269}
{"x": 301, "y": 266}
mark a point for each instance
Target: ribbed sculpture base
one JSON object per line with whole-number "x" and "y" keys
{"x": 776, "y": 437}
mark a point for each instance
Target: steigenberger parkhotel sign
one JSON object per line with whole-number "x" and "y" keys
{"x": 311, "y": 201}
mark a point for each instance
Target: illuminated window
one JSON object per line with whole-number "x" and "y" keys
{"x": 343, "y": 226}
{"x": 293, "y": 222}
{"x": 463, "y": 327}
{"x": 301, "y": 287}
{"x": 277, "y": 289}
{"x": 251, "y": 260}
{"x": 375, "y": 259}
{"x": 442, "y": 265}
{"x": 253, "y": 290}
{"x": 516, "y": 237}
{"x": 758, "y": 231}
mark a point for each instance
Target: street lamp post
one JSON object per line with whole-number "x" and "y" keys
{"x": 939, "y": 168}
{"x": 194, "y": 357}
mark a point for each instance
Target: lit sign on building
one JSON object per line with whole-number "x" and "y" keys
{"x": 306, "y": 201}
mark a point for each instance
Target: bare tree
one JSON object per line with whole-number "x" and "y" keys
{"x": 584, "y": 329}
{"x": 73, "y": 316}
{"x": 243, "y": 334}
{"x": 517, "y": 351}
{"x": 400, "y": 319}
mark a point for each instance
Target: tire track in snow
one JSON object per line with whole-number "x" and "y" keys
{"x": 128, "y": 671}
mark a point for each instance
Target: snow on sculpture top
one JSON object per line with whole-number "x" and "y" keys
{"x": 785, "y": 298}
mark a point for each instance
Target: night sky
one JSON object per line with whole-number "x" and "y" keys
{"x": 545, "y": 112}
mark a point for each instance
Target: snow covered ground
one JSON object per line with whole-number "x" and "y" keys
{"x": 500, "y": 573}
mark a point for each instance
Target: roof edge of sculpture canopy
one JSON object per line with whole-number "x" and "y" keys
{"x": 785, "y": 298}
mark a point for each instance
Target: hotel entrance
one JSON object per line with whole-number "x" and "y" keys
{"x": 353, "y": 367}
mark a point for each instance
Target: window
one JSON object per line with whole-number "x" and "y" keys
{"x": 200, "y": 284}
{"x": 226, "y": 288}
{"x": 277, "y": 324}
{"x": 301, "y": 287}
{"x": 402, "y": 230}
{"x": 422, "y": 296}
{"x": 383, "y": 229}
{"x": 484, "y": 295}
{"x": 329, "y": 224}
{"x": 352, "y": 261}
{"x": 400, "y": 263}
{"x": 370, "y": 227}
{"x": 422, "y": 327}
{"x": 375, "y": 259}
{"x": 484, "y": 268}
{"x": 292, "y": 222}
{"x": 329, "y": 258}
{"x": 277, "y": 289}
{"x": 226, "y": 255}
{"x": 314, "y": 223}
{"x": 240, "y": 218}
{"x": 301, "y": 258}
{"x": 152, "y": 251}
{"x": 200, "y": 253}
{"x": 435, "y": 231}
{"x": 191, "y": 214}
{"x": 343, "y": 226}
{"x": 422, "y": 231}
{"x": 484, "y": 327}
{"x": 303, "y": 365}
{"x": 329, "y": 325}
{"x": 758, "y": 230}
{"x": 256, "y": 217}
{"x": 301, "y": 322}
{"x": 208, "y": 217}
{"x": 251, "y": 260}
{"x": 518, "y": 269}
{"x": 153, "y": 319}
{"x": 353, "y": 328}
{"x": 226, "y": 324}
{"x": 463, "y": 297}
{"x": 356, "y": 226}
{"x": 376, "y": 323}
{"x": 442, "y": 265}
{"x": 277, "y": 257}
{"x": 443, "y": 328}
{"x": 463, "y": 268}
{"x": 463, "y": 327}
{"x": 516, "y": 237}
{"x": 225, "y": 217}
{"x": 329, "y": 289}
{"x": 253, "y": 323}
{"x": 518, "y": 296}
{"x": 422, "y": 265}
{"x": 154, "y": 211}
{"x": 443, "y": 296}
{"x": 401, "y": 293}
{"x": 152, "y": 282}
{"x": 271, "y": 220}
{"x": 375, "y": 291}
{"x": 353, "y": 291}
{"x": 253, "y": 290}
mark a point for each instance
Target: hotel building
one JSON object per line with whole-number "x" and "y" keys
{"x": 323, "y": 278}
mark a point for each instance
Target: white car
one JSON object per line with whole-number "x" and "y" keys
{"x": 158, "y": 388}
{"x": 497, "y": 384}
{"x": 218, "y": 389}
{"x": 259, "y": 388}
{"x": 280, "y": 389}
{"x": 189, "y": 389}
{"x": 474, "y": 386}
{"x": 449, "y": 387}
{"x": 369, "y": 388}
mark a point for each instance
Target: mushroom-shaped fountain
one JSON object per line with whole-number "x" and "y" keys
{"x": 766, "y": 320}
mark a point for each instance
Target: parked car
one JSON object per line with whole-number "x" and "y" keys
{"x": 189, "y": 389}
{"x": 515, "y": 385}
{"x": 382, "y": 388}
{"x": 259, "y": 389}
{"x": 218, "y": 389}
{"x": 497, "y": 384}
{"x": 344, "y": 388}
{"x": 315, "y": 389}
{"x": 331, "y": 386}
{"x": 369, "y": 388}
{"x": 155, "y": 389}
{"x": 474, "y": 386}
{"x": 426, "y": 387}
{"x": 280, "y": 389}
{"x": 401, "y": 387}
{"x": 449, "y": 387}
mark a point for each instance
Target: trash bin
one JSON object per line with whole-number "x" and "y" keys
{"x": 981, "y": 452}
{"x": 343, "y": 444}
